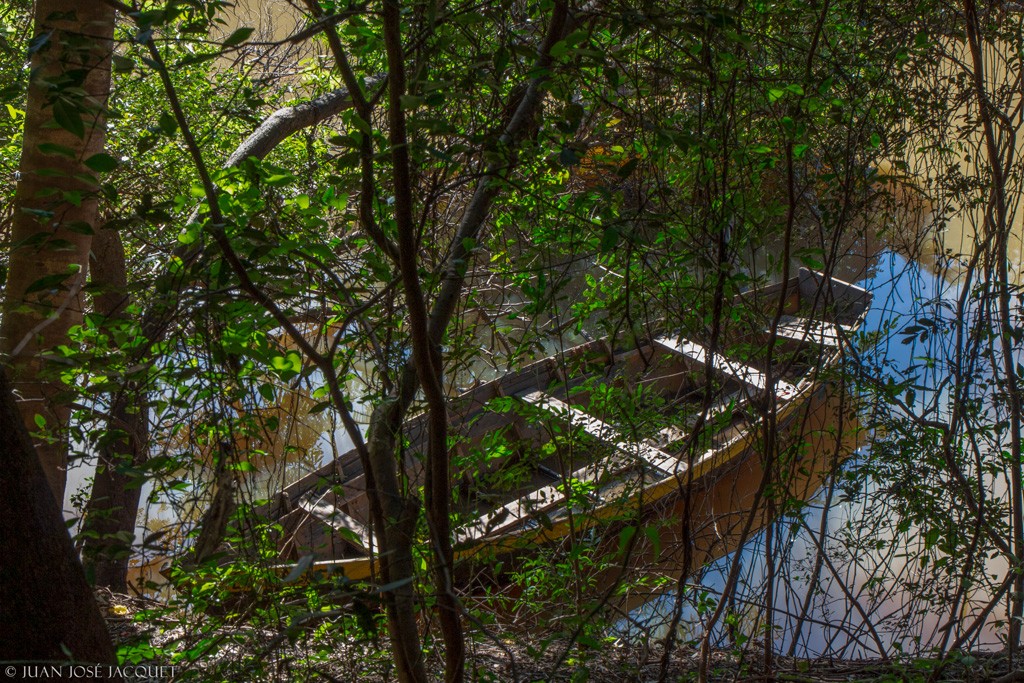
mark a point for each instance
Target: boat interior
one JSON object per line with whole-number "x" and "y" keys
{"x": 589, "y": 429}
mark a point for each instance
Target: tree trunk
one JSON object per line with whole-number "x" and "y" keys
{"x": 424, "y": 368}
{"x": 108, "y": 525}
{"x": 214, "y": 524}
{"x": 55, "y": 209}
{"x": 399, "y": 515}
{"x": 998, "y": 224}
{"x": 47, "y": 609}
{"x": 426, "y": 356}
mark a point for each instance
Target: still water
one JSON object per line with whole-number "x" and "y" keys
{"x": 878, "y": 589}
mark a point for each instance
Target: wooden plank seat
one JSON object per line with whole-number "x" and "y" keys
{"x": 662, "y": 463}
{"x": 818, "y": 332}
{"x": 320, "y": 506}
{"x": 676, "y": 433}
{"x": 750, "y": 376}
{"x": 511, "y": 514}
{"x": 630, "y": 456}
{"x": 550, "y": 498}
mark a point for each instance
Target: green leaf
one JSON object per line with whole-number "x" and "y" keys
{"x": 190, "y": 234}
{"x": 410, "y": 102}
{"x": 69, "y": 118}
{"x": 238, "y": 37}
{"x": 47, "y": 282}
{"x": 652, "y": 535}
{"x": 51, "y": 148}
{"x": 101, "y": 163}
{"x": 609, "y": 238}
{"x": 500, "y": 60}
{"x": 388, "y": 587}
{"x": 80, "y": 227}
{"x": 559, "y": 49}
{"x": 361, "y": 125}
{"x": 320, "y": 407}
{"x": 60, "y": 245}
{"x": 122, "y": 64}
{"x": 625, "y": 536}
{"x": 168, "y": 125}
{"x": 198, "y": 58}
{"x": 291, "y": 363}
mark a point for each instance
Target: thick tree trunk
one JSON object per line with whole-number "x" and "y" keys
{"x": 109, "y": 522}
{"x": 55, "y": 209}
{"x": 46, "y": 605}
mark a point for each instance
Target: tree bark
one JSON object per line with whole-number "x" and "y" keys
{"x": 426, "y": 357}
{"x": 46, "y": 605}
{"x": 55, "y": 209}
{"x": 214, "y": 524}
{"x": 398, "y": 516}
{"x": 108, "y": 526}
{"x": 427, "y": 331}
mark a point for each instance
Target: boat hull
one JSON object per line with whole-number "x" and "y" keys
{"x": 701, "y": 501}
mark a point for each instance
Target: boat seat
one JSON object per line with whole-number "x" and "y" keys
{"x": 318, "y": 507}
{"x": 750, "y": 376}
{"x": 538, "y": 501}
{"x": 549, "y": 497}
{"x": 662, "y": 463}
{"x": 675, "y": 433}
{"x": 512, "y": 513}
{"x": 818, "y": 332}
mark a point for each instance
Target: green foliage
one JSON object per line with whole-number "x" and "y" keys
{"x": 682, "y": 153}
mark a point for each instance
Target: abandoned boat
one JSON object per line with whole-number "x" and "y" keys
{"x": 598, "y": 434}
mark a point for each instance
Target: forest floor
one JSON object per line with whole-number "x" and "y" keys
{"x": 244, "y": 653}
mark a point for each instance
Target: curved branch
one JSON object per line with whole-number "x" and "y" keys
{"x": 275, "y": 129}
{"x": 287, "y": 121}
